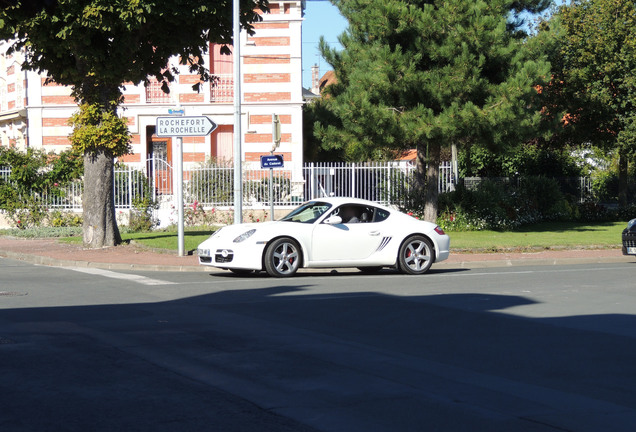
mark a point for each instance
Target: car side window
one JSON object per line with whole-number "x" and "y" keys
{"x": 360, "y": 214}
{"x": 380, "y": 215}
{"x": 348, "y": 213}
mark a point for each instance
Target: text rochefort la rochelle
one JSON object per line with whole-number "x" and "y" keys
{"x": 180, "y": 126}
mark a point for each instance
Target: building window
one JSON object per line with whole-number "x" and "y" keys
{"x": 154, "y": 94}
{"x": 222, "y": 141}
{"x": 222, "y": 71}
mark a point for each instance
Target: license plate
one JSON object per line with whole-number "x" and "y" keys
{"x": 631, "y": 250}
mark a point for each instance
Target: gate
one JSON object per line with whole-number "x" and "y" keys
{"x": 160, "y": 176}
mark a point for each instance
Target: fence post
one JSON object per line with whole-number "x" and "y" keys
{"x": 312, "y": 183}
{"x": 353, "y": 180}
{"x": 130, "y": 188}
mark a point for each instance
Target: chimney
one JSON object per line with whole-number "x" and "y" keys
{"x": 315, "y": 79}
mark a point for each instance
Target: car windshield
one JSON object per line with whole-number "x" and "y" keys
{"x": 308, "y": 212}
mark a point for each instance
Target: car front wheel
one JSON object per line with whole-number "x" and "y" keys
{"x": 416, "y": 255}
{"x": 282, "y": 257}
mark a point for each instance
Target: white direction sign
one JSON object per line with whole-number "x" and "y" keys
{"x": 180, "y": 126}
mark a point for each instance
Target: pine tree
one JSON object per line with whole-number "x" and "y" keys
{"x": 430, "y": 74}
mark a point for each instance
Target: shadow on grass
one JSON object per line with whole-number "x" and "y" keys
{"x": 567, "y": 226}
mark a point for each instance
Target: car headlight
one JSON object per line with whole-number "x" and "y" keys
{"x": 630, "y": 224}
{"x": 244, "y": 236}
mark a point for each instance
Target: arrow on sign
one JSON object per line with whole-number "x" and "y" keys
{"x": 184, "y": 126}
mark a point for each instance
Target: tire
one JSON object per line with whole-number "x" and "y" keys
{"x": 416, "y": 255}
{"x": 282, "y": 257}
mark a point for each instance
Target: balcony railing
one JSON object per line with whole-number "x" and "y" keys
{"x": 154, "y": 94}
{"x": 222, "y": 88}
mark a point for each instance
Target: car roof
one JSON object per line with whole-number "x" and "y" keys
{"x": 336, "y": 201}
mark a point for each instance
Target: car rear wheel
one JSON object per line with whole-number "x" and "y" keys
{"x": 416, "y": 255}
{"x": 282, "y": 257}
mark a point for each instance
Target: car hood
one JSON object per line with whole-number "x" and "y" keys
{"x": 233, "y": 231}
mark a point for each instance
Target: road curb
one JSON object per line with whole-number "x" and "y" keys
{"x": 445, "y": 265}
{"x": 504, "y": 262}
{"x": 55, "y": 262}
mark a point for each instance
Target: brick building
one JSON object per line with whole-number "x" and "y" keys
{"x": 35, "y": 115}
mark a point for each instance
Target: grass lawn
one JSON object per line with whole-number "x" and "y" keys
{"x": 158, "y": 239}
{"x": 543, "y": 236}
{"x": 540, "y": 236}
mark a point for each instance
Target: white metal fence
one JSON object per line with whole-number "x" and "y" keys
{"x": 5, "y": 172}
{"x": 384, "y": 182}
{"x": 387, "y": 183}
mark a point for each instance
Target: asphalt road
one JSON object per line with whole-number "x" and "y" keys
{"x": 499, "y": 349}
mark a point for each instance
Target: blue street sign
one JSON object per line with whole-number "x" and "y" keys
{"x": 271, "y": 161}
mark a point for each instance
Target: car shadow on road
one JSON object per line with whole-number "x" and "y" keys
{"x": 348, "y": 360}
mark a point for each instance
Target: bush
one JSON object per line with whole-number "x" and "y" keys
{"x": 58, "y": 218}
{"x": 594, "y": 212}
{"x": 528, "y": 159}
{"x": 605, "y": 186}
{"x": 141, "y": 219}
{"x": 543, "y": 196}
{"x": 503, "y": 206}
{"x": 33, "y": 175}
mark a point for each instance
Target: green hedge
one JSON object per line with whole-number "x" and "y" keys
{"x": 504, "y": 206}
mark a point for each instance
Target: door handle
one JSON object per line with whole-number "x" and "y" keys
{"x": 374, "y": 233}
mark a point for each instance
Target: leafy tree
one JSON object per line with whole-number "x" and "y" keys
{"x": 594, "y": 80}
{"x": 96, "y": 46}
{"x": 428, "y": 74}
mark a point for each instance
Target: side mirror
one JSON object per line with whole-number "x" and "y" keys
{"x": 333, "y": 220}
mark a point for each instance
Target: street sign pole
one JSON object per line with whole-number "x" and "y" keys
{"x": 276, "y": 139}
{"x": 271, "y": 193}
{"x": 238, "y": 154}
{"x": 177, "y": 127}
{"x": 180, "y": 230}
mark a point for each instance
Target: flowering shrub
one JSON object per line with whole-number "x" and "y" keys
{"x": 59, "y": 218}
{"x": 502, "y": 206}
{"x": 195, "y": 215}
{"x": 33, "y": 174}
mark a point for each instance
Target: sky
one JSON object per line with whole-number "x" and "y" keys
{"x": 321, "y": 19}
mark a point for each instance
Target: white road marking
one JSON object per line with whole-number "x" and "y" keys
{"x": 114, "y": 275}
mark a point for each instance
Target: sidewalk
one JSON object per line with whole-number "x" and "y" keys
{"x": 133, "y": 257}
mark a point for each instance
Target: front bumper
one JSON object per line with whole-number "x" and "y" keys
{"x": 629, "y": 242}
{"x": 237, "y": 256}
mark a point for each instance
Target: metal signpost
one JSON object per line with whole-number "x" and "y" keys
{"x": 238, "y": 135}
{"x": 273, "y": 161}
{"x": 178, "y": 127}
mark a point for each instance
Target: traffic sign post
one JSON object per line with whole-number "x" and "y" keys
{"x": 271, "y": 161}
{"x": 178, "y": 127}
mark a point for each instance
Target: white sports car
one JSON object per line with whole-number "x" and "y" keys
{"x": 328, "y": 232}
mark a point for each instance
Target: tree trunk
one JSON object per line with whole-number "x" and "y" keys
{"x": 98, "y": 201}
{"x": 420, "y": 172}
{"x": 432, "y": 181}
{"x": 622, "y": 179}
